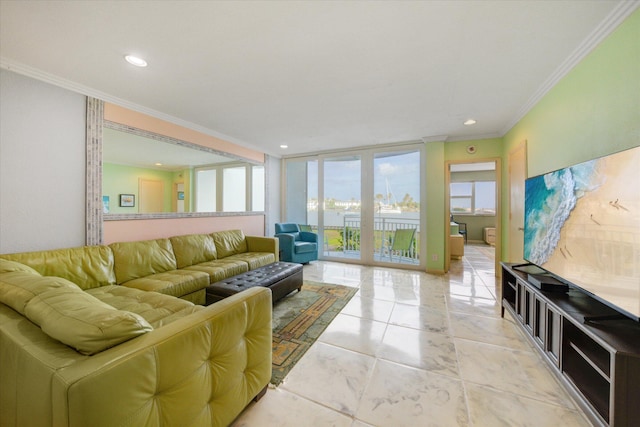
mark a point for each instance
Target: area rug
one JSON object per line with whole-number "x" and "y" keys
{"x": 300, "y": 318}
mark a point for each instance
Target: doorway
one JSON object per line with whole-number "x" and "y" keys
{"x": 473, "y": 203}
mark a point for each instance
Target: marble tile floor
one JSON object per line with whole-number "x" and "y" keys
{"x": 414, "y": 349}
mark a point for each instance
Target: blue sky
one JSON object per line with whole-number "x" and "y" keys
{"x": 342, "y": 178}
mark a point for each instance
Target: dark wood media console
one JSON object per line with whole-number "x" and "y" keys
{"x": 593, "y": 350}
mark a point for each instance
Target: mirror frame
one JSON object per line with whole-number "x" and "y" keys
{"x": 94, "y": 143}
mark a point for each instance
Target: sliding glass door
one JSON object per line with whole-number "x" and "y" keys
{"x": 396, "y": 207}
{"x": 364, "y": 205}
{"x": 342, "y": 206}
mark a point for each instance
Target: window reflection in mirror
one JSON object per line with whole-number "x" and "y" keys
{"x": 170, "y": 176}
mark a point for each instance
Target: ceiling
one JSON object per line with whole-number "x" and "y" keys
{"x": 312, "y": 75}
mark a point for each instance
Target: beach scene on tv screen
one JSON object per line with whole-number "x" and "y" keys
{"x": 582, "y": 223}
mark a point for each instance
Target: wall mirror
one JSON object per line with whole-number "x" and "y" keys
{"x": 170, "y": 177}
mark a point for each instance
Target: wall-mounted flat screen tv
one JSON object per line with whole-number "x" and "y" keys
{"x": 582, "y": 224}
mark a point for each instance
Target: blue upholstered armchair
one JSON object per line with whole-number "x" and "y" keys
{"x": 295, "y": 245}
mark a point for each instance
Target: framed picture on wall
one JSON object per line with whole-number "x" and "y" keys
{"x": 127, "y": 200}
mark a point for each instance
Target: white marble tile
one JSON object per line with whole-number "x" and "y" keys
{"x": 331, "y": 376}
{"x": 475, "y": 289}
{"x": 419, "y": 317}
{"x": 514, "y": 371}
{"x": 490, "y": 330}
{"x": 473, "y": 305}
{"x": 384, "y": 293}
{"x": 488, "y": 407}
{"x": 369, "y": 308}
{"x": 401, "y": 396}
{"x": 415, "y": 377}
{"x": 421, "y": 349}
{"x": 354, "y": 333}
{"x": 284, "y": 409}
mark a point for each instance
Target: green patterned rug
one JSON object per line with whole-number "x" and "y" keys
{"x": 300, "y": 318}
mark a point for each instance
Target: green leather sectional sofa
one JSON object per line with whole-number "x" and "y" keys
{"x": 116, "y": 336}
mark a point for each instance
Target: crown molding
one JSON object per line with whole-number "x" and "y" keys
{"x": 602, "y": 31}
{"x": 19, "y": 68}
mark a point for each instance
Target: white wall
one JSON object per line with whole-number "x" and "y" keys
{"x": 42, "y": 165}
{"x": 273, "y": 202}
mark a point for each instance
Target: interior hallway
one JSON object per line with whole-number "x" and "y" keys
{"x": 413, "y": 349}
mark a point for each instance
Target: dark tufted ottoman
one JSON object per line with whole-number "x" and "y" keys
{"x": 281, "y": 277}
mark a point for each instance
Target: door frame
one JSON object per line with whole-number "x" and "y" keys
{"x": 447, "y": 206}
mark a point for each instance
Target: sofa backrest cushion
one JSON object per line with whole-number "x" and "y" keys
{"x": 86, "y": 266}
{"x": 83, "y": 322}
{"x": 7, "y": 266}
{"x": 193, "y": 249}
{"x": 67, "y": 313}
{"x": 17, "y": 288}
{"x": 140, "y": 259}
{"x": 229, "y": 242}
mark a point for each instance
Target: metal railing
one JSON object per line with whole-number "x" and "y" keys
{"x": 384, "y": 229}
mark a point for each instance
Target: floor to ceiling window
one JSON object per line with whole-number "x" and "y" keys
{"x": 365, "y": 205}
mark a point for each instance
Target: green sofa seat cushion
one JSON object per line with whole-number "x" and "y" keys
{"x": 157, "y": 309}
{"x": 175, "y": 283}
{"x": 254, "y": 259}
{"x": 220, "y": 269}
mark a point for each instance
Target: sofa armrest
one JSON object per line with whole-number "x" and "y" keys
{"x": 263, "y": 244}
{"x": 202, "y": 369}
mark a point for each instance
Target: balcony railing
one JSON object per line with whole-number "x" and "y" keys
{"x": 345, "y": 241}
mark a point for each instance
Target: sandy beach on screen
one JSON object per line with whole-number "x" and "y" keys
{"x": 611, "y": 215}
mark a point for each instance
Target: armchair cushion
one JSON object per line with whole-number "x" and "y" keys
{"x": 287, "y": 227}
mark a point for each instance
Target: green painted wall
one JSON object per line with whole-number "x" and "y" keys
{"x": 593, "y": 111}
{"x": 119, "y": 179}
{"x": 435, "y": 206}
{"x": 438, "y": 153}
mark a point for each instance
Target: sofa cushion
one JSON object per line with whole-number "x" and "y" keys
{"x": 229, "y": 242}
{"x": 176, "y": 283}
{"x": 254, "y": 259}
{"x": 81, "y": 321}
{"x": 7, "y": 266}
{"x": 86, "y": 266}
{"x": 17, "y": 288}
{"x": 157, "y": 309}
{"x": 193, "y": 249}
{"x": 219, "y": 269}
{"x": 144, "y": 258}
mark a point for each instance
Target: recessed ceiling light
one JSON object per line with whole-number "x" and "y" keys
{"x": 158, "y": 164}
{"x": 469, "y": 122}
{"x": 134, "y": 60}
{"x": 284, "y": 146}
